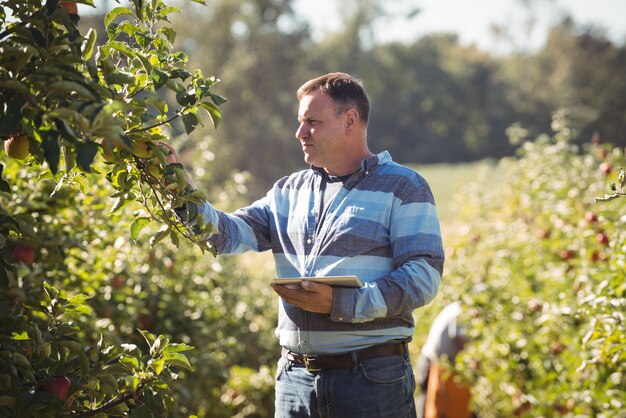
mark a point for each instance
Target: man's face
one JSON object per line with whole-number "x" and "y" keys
{"x": 321, "y": 131}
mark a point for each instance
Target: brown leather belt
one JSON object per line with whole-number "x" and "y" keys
{"x": 314, "y": 363}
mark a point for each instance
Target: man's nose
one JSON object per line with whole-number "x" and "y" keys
{"x": 301, "y": 132}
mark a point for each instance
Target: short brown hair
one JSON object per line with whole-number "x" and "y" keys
{"x": 345, "y": 91}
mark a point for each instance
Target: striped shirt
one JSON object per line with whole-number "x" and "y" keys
{"x": 382, "y": 226}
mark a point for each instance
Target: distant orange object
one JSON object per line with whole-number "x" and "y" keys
{"x": 445, "y": 397}
{"x": 70, "y": 6}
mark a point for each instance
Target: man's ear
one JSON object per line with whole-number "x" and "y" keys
{"x": 352, "y": 121}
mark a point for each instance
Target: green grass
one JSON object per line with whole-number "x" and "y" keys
{"x": 448, "y": 181}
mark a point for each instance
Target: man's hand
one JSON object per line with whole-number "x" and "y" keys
{"x": 313, "y": 297}
{"x": 174, "y": 158}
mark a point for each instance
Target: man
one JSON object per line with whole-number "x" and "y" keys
{"x": 344, "y": 350}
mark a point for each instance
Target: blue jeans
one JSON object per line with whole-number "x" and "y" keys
{"x": 376, "y": 388}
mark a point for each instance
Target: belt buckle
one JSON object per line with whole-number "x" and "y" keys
{"x": 308, "y": 365}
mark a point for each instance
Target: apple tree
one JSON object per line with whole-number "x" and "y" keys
{"x": 539, "y": 266}
{"x": 65, "y": 101}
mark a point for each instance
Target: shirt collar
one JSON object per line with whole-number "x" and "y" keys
{"x": 367, "y": 164}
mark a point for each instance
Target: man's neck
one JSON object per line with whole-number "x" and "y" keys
{"x": 349, "y": 165}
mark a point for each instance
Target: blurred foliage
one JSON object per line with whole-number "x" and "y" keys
{"x": 540, "y": 269}
{"x": 108, "y": 288}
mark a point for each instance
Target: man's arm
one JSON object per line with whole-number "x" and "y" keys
{"x": 417, "y": 251}
{"x": 245, "y": 230}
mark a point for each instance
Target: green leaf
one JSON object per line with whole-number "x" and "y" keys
{"x": 118, "y": 11}
{"x": 141, "y": 412}
{"x": 178, "y": 360}
{"x": 180, "y": 73}
{"x": 119, "y": 203}
{"x": 213, "y": 111}
{"x": 160, "y": 234}
{"x": 4, "y": 185}
{"x": 69, "y": 88}
{"x": 149, "y": 337}
{"x": 175, "y": 239}
{"x": 169, "y": 34}
{"x": 85, "y": 155}
{"x": 167, "y": 10}
{"x": 158, "y": 103}
{"x": 21, "y": 360}
{"x": 157, "y": 365}
{"x": 131, "y": 362}
{"x": 84, "y": 364}
{"x": 23, "y": 336}
{"x": 217, "y": 99}
{"x": 190, "y": 120}
{"x": 9, "y": 222}
{"x": 131, "y": 382}
{"x": 185, "y": 98}
{"x": 177, "y": 348}
{"x": 90, "y": 42}
{"x": 16, "y": 86}
{"x": 159, "y": 78}
{"x": 52, "y": 150}
{"x": 122, "y": 48}
{"x": 136, "y": 227}
{"x": 176, "y": 86}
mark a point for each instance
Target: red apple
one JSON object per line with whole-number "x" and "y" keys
{"x": 145, "y": 322}
{"x": 58, "y": 387}
{"x": 567, "y": 254}
{"x": 598, "y": 256}
{"x": 606, "y": 168}
{"x": 117, "y": 281}
{"x": 544, "y": 233}
{"x": 535, "y": 305}
{"x": 23, "y": 253}
{"x": 70, "y": 6}
{"x": 602, "y": 238}
{"x": 591, "y": 217}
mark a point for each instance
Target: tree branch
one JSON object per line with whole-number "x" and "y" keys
{"x": 164, "y": 122}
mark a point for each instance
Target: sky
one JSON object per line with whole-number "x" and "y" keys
{"x": 472, "y": 19}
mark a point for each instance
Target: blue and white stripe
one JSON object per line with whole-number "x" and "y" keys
{"x": 382, "y": 226}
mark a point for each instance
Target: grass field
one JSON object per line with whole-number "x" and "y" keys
{"x": 448, "y": 181}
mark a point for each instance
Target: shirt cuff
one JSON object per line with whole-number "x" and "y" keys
{"x": 343, "y": 304}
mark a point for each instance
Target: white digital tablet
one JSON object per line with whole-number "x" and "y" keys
{"x": 339, "y": 281}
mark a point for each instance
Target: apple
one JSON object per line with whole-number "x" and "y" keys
{"x": 168, "y": 263}
{"x": 70, "y": 6}
{"x": 557, "y": 347}
{"x": 23, "y": 253}
{"x": 58, "y": 386}
{"x": 146, "y": 322}
{"x": 598, "y": 256}
{"x": 109, "y": 151}
{"x": 606, "y": 168}
{"x": 602, "y": 238}
{"x": 16, "y": 147}
{"x": 154, "y": 169}
{"x": 141, "y": 149}
{"x": 591, "y": 217}
{"x": 544, "y": 233}
{"x": 117, "y": 281}
{"x": 46, "y": 350}
{"x": 535, "y": 305}
{"x": 567, "y": 254}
